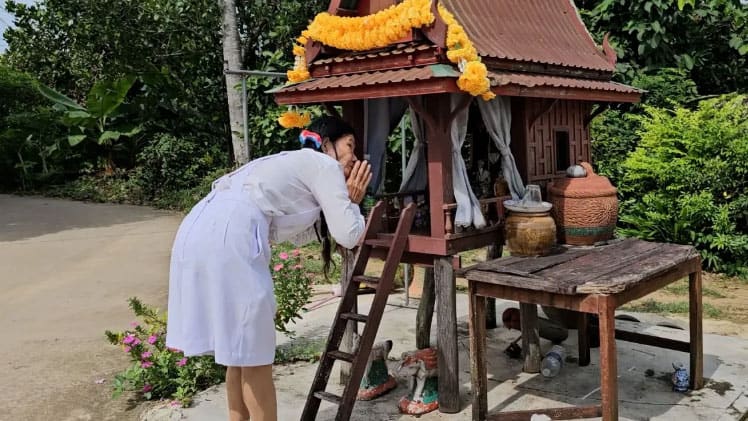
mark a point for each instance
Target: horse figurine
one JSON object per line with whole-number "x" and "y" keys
{"x": 377, "y": 380}
{"x": 423, "y": 384}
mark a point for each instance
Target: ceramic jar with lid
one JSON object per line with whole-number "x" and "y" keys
{"x": 530, "y": 230}
{"x": 585, "y": 206}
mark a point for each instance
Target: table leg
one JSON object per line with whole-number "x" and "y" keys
{"x": 530, "y": 337}
{"x": 446, "y": 323}
{"x": 583, "y": 338}
{"x": 608, "y": 359}
{"x": 477, "y": 322}
{"x": 696, "y": 340}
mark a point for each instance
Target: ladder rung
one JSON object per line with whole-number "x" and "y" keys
{"x": 372, "y": 281}
{"x": 329, "y": 397}
{"x": 378, "y": 242}
{"x": 343, "y": 356}
{"x": 355, "y": 316}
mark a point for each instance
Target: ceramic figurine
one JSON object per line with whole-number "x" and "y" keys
{"x": 423, "y": 384}
{"x": 680, "y": 378}
{"x": 377, "y": 380}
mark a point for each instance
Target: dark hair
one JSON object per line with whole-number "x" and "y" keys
{"x": 332, "y": 128}
{"x": 329, "y": 127}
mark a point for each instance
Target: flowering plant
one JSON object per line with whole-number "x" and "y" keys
{"x": 292, "y": 286}
{"x": 158, "y": 372}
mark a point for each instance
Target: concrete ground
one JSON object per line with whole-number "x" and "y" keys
{"x": 644, "y": 376}
{"x": 66, "y": 272}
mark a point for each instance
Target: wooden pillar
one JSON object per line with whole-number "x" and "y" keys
{"x": 583, "y": 338}
{"x": 695, "y": 310}
{"x": 530, "y": 337}
{"x": 425, "y": 310}
{"x": 350, "y": 328}
{"x": 608, "y": 359}
{"x": 494, "y": 251}
{"x": 477, "y": 320}
{"x": 446, "y": 322}
{"x": 439, "y": 158}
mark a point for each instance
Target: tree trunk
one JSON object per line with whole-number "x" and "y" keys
{"x": 232, "y": 59}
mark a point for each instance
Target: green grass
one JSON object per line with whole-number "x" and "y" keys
{"x": 300, "y": 349}
{"x": 681, "y": 288}
{"x": 678, "y": 307}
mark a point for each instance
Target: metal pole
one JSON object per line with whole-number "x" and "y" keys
{"x": 406, "y": 271}
{"x": 246, "y": 118}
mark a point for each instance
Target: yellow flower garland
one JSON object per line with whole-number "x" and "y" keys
{"x": 386, "y": 27}
{"x": 293, "y": 119}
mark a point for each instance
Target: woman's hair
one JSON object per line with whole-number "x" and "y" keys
{"x": 329, "y": 127}
{"x": 332, "y": 128}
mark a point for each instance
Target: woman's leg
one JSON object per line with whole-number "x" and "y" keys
{"x": 237, "y": 409}
{"x": 259, "y": 392}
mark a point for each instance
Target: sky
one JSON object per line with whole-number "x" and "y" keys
{"x": 6, "y": 20}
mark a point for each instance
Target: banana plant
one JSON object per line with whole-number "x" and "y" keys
{"x": 98, "y": 120}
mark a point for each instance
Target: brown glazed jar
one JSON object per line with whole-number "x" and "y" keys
{"x": 585, "y": 208}
{"x": 530, "y": 233}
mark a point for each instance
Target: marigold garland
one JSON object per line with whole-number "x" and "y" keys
{"x": 293, "y": 119}
{"x": 386, "y": 27}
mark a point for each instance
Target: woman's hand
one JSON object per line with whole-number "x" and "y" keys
{"x": 358, "y": 181}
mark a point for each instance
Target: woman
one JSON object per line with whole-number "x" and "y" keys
{"x": 221, "y": 300}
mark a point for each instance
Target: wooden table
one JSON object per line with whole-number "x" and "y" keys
{"x": 589, "y": 280}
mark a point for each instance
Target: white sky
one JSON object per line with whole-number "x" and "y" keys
{"x": 6, "y": 20}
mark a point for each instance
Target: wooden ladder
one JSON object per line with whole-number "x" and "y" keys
{"x": 383, "y": 287}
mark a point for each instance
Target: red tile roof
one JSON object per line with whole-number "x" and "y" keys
{"x": 529, "y": 80}
{"x": 530, "y": 31}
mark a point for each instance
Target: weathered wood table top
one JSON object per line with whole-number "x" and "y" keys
{"x": 608, "y": 269}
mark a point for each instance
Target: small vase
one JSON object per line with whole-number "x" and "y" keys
{"x": 530, "y": 233}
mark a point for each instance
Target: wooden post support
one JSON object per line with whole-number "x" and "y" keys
{"x": 530, "y": 337}
{"x": 695, "y": 310}
{"x": 477, "y": 320}
{"x": 494, "y": 251}
{"x": 446, "y": 322}
{"x": 583, "y": 338}
{"x": 350, "y": 329}
{"x": 608, "y": 358}
{"x": 425, "y": 310}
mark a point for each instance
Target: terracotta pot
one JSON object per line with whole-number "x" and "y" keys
{"x": 585, "y": 208}
{"x": 530, "y": 234}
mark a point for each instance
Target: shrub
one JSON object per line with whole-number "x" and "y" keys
{"x": 686, "y": 182}
{"x": 292, "y": 286}
{"x": 158, "y": 372}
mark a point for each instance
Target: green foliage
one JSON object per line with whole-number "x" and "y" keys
{"x": 615, "y": 133}
{"x": 292, "y": 286}
{"x": 678, "y": 307}
{"x": 708, "y": 38}
{"x": 300, "y": 349}
{"x": 158, "y": 372}
{"x": 686, "y": 182}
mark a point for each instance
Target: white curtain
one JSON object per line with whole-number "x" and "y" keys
{"x": 497, "y": 117}
{"x": 416, "y": 174}
{"x": 468, "y": 207}
{"x": 382, "y": 116}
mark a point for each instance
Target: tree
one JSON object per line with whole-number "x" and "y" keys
{"x": 232, "y": 57}
{"x": 708, "y": 38}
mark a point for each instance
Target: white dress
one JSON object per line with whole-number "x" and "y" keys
{"x": 221, "y": 298}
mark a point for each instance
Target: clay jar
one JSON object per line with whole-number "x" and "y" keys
{"x": 585, "y": 208}
{"x": 530, "y": 233}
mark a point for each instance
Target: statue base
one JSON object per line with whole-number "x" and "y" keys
{"x": 367, "y": 394}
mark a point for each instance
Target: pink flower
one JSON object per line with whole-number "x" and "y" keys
{"x": 182, "y": 362}
{"x": 127, "y": 349}
{"x": 129, "y": 339}
{"x": 278, "y": 267}
{"x": 152, "y": 339}
{"x": 147, "y": 388}
{"x": 146, "y": 354}
{"x": 146, "y": 364}
{"x": 283, "y": 255}
{"x": 136, "y": 341}
{"x": 296, "y": 252}
{"x": 298, "y": 267}
{"x": 173, "y": 349}
{"x": 175, "y": 403}
{"x": 134, "y": 324}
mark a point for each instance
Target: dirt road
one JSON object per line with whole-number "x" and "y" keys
{"x": 66, "y": 271}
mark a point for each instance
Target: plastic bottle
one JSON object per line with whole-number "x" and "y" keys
{"x": 553, "y": 361}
